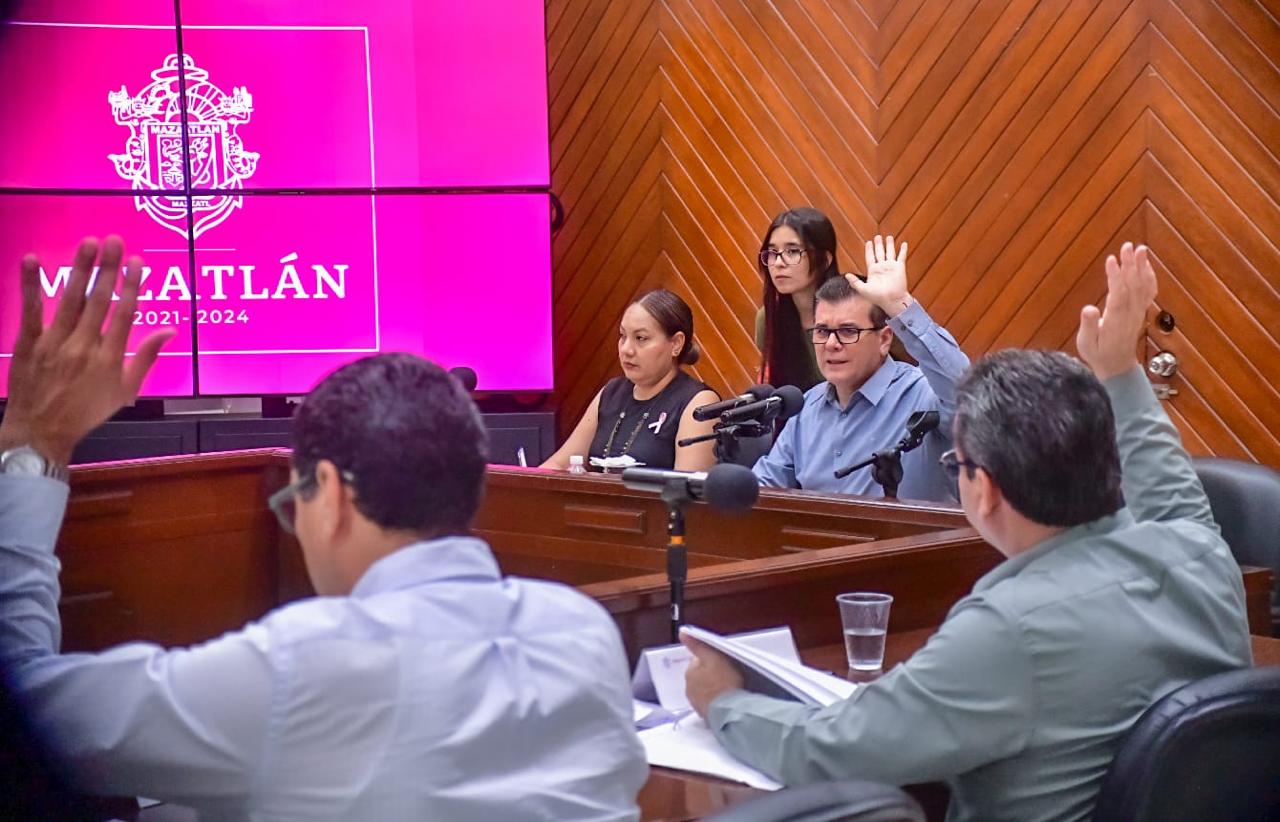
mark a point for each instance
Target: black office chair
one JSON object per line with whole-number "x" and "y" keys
{"x": 847, "y": 801}
{"x": 1245, "y": 498}
{"x": 1210, "y": 750}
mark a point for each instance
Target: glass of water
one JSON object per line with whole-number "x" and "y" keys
{"x": 866, "y": 621}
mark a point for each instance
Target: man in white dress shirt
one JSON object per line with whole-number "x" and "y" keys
{"x": 419, "y": 684}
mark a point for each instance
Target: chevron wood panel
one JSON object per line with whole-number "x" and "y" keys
{"x": 1014, "y": 142}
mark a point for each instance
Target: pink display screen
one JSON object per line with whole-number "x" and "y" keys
{"x": 338, "y": 178}
{"x": 297, "y": 285}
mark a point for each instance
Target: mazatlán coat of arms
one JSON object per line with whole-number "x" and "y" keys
{"x": 153, "y": 158}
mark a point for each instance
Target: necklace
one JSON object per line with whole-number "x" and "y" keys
{"x": 635, "y": 432}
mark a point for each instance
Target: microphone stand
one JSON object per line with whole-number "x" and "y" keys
{"x": 886, "y": 469}
{"x": 886, "y": 465}
{"x": 726, "y": 436}
{"x": 676, "y": 495}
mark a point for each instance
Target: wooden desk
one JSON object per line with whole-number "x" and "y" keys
{"x": 176, "y": 550}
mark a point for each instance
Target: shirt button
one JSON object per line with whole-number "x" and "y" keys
{"x": 838, "y": 453}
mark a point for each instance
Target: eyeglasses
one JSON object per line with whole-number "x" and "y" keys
{"x": 283, "y": 503}
{"x": 790, "y": 255}
{"x": 845, "y": 334}
{"x": 951, "y": 463}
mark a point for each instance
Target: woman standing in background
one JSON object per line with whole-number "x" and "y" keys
{"x": 797, "y": 256}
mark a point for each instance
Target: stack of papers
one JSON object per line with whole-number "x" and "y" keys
{"x": 689, "y": 745}
{"x": 772, "y": 675}
{"x": 681, "y": 740}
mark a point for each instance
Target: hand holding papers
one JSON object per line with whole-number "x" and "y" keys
{"x": 660, "y": 673}
{"x": 764, "y": 661}
{"x": 763, "y": 672}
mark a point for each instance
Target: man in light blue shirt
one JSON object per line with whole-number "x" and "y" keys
{"x": 1117, "y": 589}
{"x": 868, "y": 398}
{"x": 420, "y": 684}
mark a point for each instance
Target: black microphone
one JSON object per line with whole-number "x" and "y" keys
{"x": 923, "y": 422}
{"x": 714, "y": 409}
{"x": 919, "y": 424}
{"x": 466, "y": 377}
{"x": 786, "y": 402}
{"x": 725, "y": 487}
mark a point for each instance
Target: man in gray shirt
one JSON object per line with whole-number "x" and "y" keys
{"x": 1101, "y": 608}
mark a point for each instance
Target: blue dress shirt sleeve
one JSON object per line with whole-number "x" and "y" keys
{"x": 938, "y": 354}
{"x": 184, "y": 725}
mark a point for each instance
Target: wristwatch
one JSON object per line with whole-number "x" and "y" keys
{"x": 25, "y": 460}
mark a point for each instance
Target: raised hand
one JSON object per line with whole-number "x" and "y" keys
{"x": 69, "y": 378}
{"x": 1107, "y": 339}
{"x": 886, "y": 284}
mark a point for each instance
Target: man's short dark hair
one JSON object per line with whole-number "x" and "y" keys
{"x": 407, "y": 432}
{"x": 837, "y": 290}
{"x": 1040, "y": 424}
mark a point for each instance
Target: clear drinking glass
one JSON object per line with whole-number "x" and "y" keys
{"x": 866, "y": 621}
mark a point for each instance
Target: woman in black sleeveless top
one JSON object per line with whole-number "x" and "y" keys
{"x": 645, "y": 412}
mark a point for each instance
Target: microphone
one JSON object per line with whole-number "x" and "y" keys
{"x": 919, "y": 424}
{"x": 923, "y": 422}
{"x": 714, "y": 409}
{"x": 725, "y": 487}
{"x": 466, "y": 377}
{"x": 786, "y": 402}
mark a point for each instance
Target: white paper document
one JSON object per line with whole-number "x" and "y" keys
{"x": 659, "y": 675}
{"x": 772, "y": 675}
{"x": 689, "y": 745}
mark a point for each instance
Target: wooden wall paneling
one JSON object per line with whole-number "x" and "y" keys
{"x": 1078, "y": 278}
{"x": 1012, "y": 142}
{"x": 1064, "y": 175}
{"x": 928, "y": 155}
{"x": 835, "y": 39}
{"x": 1001, "y": 175}
{"x": 1213, "y": 188}
{"x": 1211, "y": 361}
{"x": 1078, "y": 246}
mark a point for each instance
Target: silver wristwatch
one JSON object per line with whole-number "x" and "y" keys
{"x": 26, "y": 460}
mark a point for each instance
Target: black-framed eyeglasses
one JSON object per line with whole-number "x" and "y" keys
{"x": 790, "y": 255}
{"x": 845, "y": 334}
{"x": 951, "y": 462}
{"x": 283, "y": 503}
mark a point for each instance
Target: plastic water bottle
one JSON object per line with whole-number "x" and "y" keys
{"x": 576, "y": 465}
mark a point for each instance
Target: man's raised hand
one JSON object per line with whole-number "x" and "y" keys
{"x": 69, "y": 378}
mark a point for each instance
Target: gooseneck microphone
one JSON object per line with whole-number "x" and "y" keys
{"x": 714, "y": 409}
{"x": 784, "y": 403}
{"x": 886, "y": 465}
{"x": 726, "y": 487}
